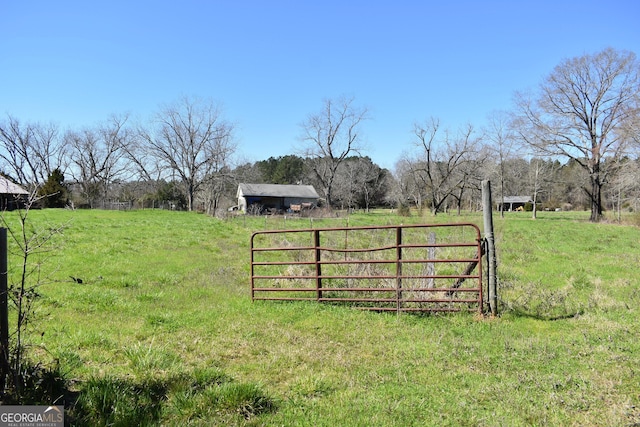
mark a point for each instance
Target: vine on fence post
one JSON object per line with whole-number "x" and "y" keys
{"x": 31, "y": 244}
{"x": 4, "y": 313}
{"x": 487, "y": 209}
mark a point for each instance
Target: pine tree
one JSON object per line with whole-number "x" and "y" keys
{"x": 54, "y": 191}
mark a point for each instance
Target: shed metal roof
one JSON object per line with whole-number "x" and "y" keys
{"x": 517, "y": 199}
{"x": 8, "y": 187}
{"x": 278, "y": 190}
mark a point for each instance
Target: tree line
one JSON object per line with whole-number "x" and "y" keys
{"x": 573, "y": 142}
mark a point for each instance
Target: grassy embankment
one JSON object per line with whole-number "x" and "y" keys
{"x": 162, "y": 329}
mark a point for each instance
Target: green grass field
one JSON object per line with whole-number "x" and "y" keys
{"x": 162, "y": 330}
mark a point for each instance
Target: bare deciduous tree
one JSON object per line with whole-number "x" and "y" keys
{"x": 49, "y": 150}
{"x": 501, "y": 142}
{"x": 331, "y": 136}
{"x": 30, "y": 151}
{"x": 625, "y": 186}
{"x": 191, "y": 139}
{"x": 540, "y": 172}
{"x": 583, "y": 112}
{"x": 470, "y": 175}
{"x": 439, "y": 169}
{"x": 406, "y": 188}
{"x": 96, "y": 157}
{"x": 372, "y": 181}
{"x": 360, "y": 183}
{"x": 144, "y": 165}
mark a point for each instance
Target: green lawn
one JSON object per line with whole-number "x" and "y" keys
{"x": 163, "y": 324}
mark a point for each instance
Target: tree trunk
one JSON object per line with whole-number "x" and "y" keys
{"x": 190, "y": 197}
{"x": 596, "y": 196}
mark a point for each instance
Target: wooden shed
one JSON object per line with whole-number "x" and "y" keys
{"x": 276, "y": 197}
{"x": 513, "y": 203}
{"x": 12, "y": 195}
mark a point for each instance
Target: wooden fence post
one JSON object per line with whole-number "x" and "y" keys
{"x": 487, "y": 210}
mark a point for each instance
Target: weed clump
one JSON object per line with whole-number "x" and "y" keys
{"x": 404, "y": 210}
{"x": 540, "y": 302}
{"x": 206, "y": 395}
{"x": 39, "y": 384}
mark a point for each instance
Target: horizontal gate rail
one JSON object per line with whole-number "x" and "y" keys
{"x": 384, "y": 268}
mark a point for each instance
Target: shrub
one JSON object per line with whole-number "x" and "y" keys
{"x": 404, "y": 210}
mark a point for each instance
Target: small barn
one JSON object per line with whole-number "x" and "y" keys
{"x": 276, "y": 197}
{"x": 514, "y": 203}
{"x": 12, "y": 196}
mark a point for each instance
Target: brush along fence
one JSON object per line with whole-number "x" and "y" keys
{"x": 384, "y": 268}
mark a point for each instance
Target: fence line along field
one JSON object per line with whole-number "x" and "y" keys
{"x": 162, "y": 329}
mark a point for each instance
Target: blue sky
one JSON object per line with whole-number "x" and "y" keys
{"x": 271, "y": 63}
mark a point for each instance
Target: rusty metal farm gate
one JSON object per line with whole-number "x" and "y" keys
{"x": 384, "y": 268}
